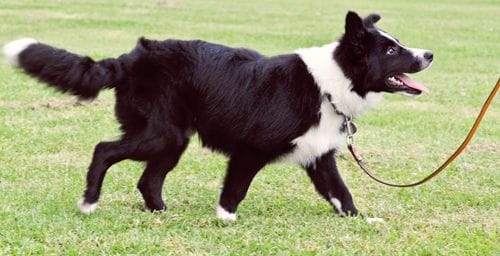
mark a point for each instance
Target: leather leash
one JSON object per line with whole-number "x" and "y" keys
{"x": 350, "y": 127}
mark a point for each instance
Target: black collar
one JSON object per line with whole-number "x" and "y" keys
{"x": 337, "y": 111}
{"x": 348, "y": 125}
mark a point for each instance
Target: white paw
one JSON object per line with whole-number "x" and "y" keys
{"x": 14, "y": 48}
{"x": 224, "y": 215}
{"x": 338, "y": 205}
{"x": 375, "y": 219}
{"x": 86, "y": 208}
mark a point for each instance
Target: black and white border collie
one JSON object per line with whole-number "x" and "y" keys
{"x": 253, "y": 108}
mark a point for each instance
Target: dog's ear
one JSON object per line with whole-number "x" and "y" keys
{"x": 371, "y": 19}
{"x": 355, "y": 32}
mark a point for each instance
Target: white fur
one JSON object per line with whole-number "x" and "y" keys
{"x": 330, "y": 79}
{"x": 224, "y": 215}
{"x": 318, "y": 139}
{"x": 14, "y": 48}
{"x": 418, "y": 53}
{"x": 338, "y": 205}
{"x": 86, "y": 208}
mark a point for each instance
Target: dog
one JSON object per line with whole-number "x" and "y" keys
{"x": 252, "y": 108}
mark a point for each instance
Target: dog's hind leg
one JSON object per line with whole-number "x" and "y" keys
{"x": 105, "y": 155}
{"x": 146, "y": 145}
{"x": 326, "y": 178}
{"x": 151, "y": 182}
{"x": 241, "y": 170}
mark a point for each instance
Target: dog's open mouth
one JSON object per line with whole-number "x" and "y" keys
{"x": 402, "y": 83}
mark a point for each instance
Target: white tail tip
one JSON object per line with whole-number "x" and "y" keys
{"x": 86, "y": 208}
{"x": 14, "y": 48}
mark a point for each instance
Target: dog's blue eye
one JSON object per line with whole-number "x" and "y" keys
{"x": 392, "y": 51}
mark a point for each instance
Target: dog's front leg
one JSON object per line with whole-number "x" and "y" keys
{"x": 326, "y": 178}
{"x": 241, "y": 170}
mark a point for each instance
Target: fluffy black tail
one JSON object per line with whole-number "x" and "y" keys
{"x": 65, "y": 71}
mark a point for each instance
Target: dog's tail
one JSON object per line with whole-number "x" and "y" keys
{"x": 65, "y": 71}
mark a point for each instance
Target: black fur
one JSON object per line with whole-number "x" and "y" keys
{"x": 329, "y": 184}
{"x": 248, "y": 106}
{"x": 68, "y": 72}
{"x": 361, "y": 55}
{"x": 236, "y": 99}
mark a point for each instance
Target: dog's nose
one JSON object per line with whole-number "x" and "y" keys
{"x": 428, "y": 55}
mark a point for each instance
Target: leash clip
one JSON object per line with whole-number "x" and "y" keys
{"x": 350, "y": 140}
{"x": 351, "y": 129}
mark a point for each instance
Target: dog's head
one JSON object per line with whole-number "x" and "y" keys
{"x": 377, "y": 62}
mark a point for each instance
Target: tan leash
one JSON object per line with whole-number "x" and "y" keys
{"x": 350, "y": 145}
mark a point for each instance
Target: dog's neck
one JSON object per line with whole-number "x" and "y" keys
{"x": 331, "y": 80}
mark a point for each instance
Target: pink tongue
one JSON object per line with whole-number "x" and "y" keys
{"x": 411, "y": 83}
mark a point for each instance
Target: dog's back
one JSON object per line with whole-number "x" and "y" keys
{"x": 193, "y": 85}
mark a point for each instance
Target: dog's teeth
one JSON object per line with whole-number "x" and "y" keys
{"x": 395, "y": 81}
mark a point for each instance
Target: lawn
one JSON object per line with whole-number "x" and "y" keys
{"x": 47, "y": 139}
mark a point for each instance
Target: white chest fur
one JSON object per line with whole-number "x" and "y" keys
{"x": 330, "y": 79}
{"x": 318, "y": 139}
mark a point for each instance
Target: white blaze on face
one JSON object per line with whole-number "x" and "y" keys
{"x": 417, "y": 53}
{"x": 383, "y": 33}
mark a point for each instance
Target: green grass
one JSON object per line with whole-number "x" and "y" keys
{"x": 46, "y": 141}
